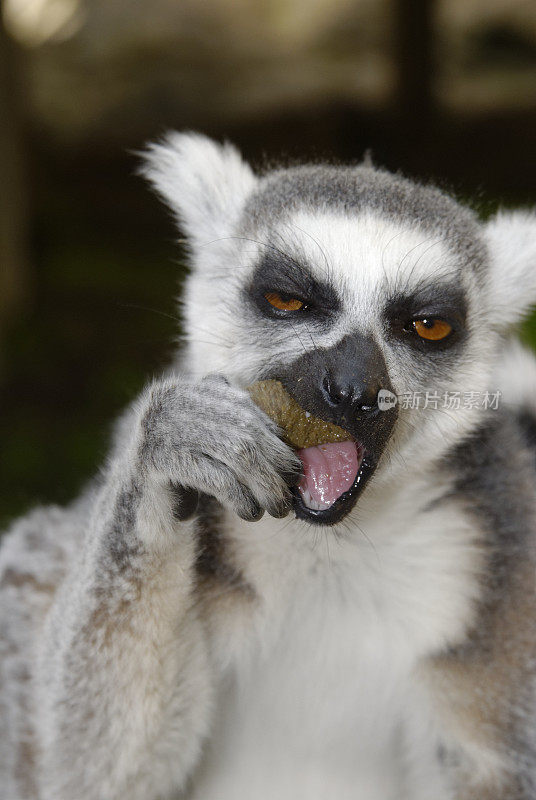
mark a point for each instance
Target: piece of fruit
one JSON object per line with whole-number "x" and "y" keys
{"x": 301, "y": 428}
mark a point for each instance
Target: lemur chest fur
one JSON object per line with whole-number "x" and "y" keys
{"x": 297, "y": 715}
{"x": 327, "y": 682}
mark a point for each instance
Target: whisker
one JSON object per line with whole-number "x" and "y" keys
{"x": 299, "y": 339}
{"x": 255, "y": 241}
{"x": 152, "y": 310}
{"x": 322, "y": 250}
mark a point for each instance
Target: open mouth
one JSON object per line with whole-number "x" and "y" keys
{"x": 334, "y": 475}
{"x": 339, "y": 444}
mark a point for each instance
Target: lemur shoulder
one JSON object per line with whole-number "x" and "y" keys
{"x": 221, "y": 616}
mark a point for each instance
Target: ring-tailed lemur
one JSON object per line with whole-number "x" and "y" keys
{"x": 365, "y": 640}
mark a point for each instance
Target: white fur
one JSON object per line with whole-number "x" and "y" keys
{"x": 328, "y": 686}
{"x": 205, "y": 184}
{"x": 511, "y": 237}
{"x": 515, "y": 375}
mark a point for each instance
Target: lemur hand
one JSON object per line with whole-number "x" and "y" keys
{"x": 210, "y": 437}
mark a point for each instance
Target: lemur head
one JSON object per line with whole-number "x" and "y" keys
{"x": 349, "y": 285}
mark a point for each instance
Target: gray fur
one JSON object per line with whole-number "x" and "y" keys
{"x": 367, "y": 188}
{"x": 490, "y": 468}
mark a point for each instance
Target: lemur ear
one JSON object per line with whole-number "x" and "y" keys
{"x": 204, "y": 183}
{"x": 511, "y": 238}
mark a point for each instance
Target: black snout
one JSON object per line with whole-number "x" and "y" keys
{"x": 342, "y": 390}
{"x": 348, "y": 377}
{"x": 341, "y": 384}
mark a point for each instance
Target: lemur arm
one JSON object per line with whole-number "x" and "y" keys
{"x": 123, "y": 678}
{"x": 485, "y": 692}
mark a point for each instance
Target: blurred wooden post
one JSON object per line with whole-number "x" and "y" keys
{"x": 13, "y": 193}
{"x": 413, "y": 36}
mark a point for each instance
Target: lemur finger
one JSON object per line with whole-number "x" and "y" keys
{"x": 254, "y": 515}
{"x": 282, "y": 510}
{"x": 254, "y": 485}
{"x": 254, "y": 442}
{"x": 240, "y": 499}
{"x": 212, "y": 477}
{"x": 293, "y": 477}
{"x": 269, "y": 468}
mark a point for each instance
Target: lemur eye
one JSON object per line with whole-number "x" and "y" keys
{"x": 283, "y": 303}
{"x": 431, "y": 328}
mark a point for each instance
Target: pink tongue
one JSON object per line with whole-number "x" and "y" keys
{"x": 329, "y": 471}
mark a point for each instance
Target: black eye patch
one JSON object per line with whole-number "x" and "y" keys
{"x": 445, "y": 302}
{"x": 279, "y": 272}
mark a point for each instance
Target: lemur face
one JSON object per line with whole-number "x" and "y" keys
{"x": 340, "y": 299}
{"x": 347, "y": 304}
{"x": 348, "y": 285}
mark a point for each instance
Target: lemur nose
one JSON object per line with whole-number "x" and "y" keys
{"x": 340, "y": 392}
{"x": 334, "y": 392}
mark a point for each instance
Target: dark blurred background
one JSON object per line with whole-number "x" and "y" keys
{"x": 440, "y": 89}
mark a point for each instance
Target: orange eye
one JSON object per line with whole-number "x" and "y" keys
{"x": 432, "y": 329}
{"x": 275, "y": 300}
